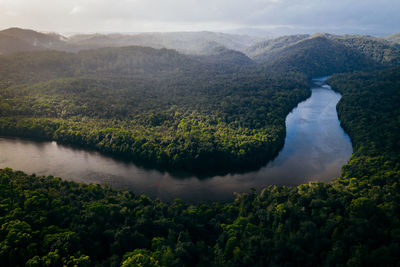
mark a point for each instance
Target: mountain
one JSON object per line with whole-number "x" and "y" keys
{"x": 16, "y": 40}
{"x": 324, "y": 54}
{"x": 319, "y": 56}
{"x": 262, "y": 50}
{"x": 35, "y": 38}
{"x": 129, "y": 61}
{"x": 187, "y": 42}
{"x": 378, "y": 50}
{"x": 224, "y": 59}
{"x": 314, "y": 55}
{"x": 152, "y": 105}
{"x": 11, "y": 44}
{"x": 394, "y": 39}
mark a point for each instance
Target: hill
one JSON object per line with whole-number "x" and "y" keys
{"x": 186, "y": 42}
{"x": 324, "y": 54}
{"x": 18, "y": 40}
{"x": 316, "y": 55}
{"x": 319, "y": 56}
{"x": 224, "y": 59}
{"x": 35, "y": 38}
{"x": 395, "y": 38}
{"x": 151, "y": 105}
{"x": 11, "y": 44}
{"x": 379, "y": 51}
{"x": 264, "y": 51}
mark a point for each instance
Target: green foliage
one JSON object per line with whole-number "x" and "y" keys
{"x": 140, "y": 258}
{"x": 324, "y": 54}
{"x": 353, "y": 220}
{"x": 152, "y": 106}
{"x": 370, "y": 113}
{"x": 45, "y": 221}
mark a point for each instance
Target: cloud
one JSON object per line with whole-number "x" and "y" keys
{"x": 76, "y": 10}
{"x": 357, "y": 16}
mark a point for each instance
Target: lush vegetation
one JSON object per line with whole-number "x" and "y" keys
{"x": 352, "y": 221}
{"x": 194, "y": 111}
{"x": 370, "y": 114}
{"x": 325, "y": 54}
{"x": 218, "y": 111}
{"x": 150, "y": 105}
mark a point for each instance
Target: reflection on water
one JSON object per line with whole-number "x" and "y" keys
{"x": 316, "y": 148}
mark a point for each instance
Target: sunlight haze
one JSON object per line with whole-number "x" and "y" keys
{"x": 262, "y": 17}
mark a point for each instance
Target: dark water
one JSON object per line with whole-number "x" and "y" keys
{"x": 316, "y": 148}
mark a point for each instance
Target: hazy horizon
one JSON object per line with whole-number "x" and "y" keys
{"x": 238, "y": 32}
{"x": 254, "y": 17}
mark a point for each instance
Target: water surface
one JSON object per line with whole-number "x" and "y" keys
{"x": 315, "y": 149}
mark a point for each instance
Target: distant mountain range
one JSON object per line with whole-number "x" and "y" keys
{"x": 187, "y": 42}
{"x": 15, "y": 39}
{"x": 314, "y": 55}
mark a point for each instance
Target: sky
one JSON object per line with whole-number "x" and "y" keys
{"x": 259, "y": 17}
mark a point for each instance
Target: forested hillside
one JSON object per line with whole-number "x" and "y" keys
{"x": 265, "y": 50}
{"x": 196, "y": 112}
{"x": 224, "y": 59}
{"x": 351, "y": 221}
{"x": 369, "y": 111}
{"x": 393, "y": 38}
{"x": 21, "y": 40}
{"x": 17, "y": 40}
{"x": 10, "y": 44}
{"x": 319, "y": 56}
{"x": 186, "y": 42}
{"x": 315, "y": 55}
{"x": 324, "y": 54}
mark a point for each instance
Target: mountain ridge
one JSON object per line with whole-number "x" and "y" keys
{"x": 184, "y": 42}
{"x": 323, "y": 54}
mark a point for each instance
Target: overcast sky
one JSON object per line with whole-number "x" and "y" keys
{"x": 376, "y": 17}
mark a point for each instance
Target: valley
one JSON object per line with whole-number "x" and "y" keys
{"x": 315, "y": 148}
{"x": 152, "y": 134}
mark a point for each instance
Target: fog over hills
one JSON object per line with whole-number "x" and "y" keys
{"x": 314, "y": 55}
{"x": 15, "y": 39}
{"x": 181, "y": 41}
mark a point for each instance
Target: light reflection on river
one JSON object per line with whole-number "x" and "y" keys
{"x": 316, "y": 148}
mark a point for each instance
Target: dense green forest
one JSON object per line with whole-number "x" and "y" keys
{"x": 324, "y": 54}
{"x": 351, "y": 221}
{"x": 217, "y": 110}
{"x": 150, "y": 105}
{"x": 369, "y": 112}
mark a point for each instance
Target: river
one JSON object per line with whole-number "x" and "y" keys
{"x": 315, "y": 149}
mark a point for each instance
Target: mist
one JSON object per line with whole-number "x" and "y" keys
{"x": 257, "y": 17}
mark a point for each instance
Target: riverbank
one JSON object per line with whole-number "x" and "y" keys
{"x": 315, "y": 149}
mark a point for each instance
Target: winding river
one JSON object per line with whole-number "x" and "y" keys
{"x": 316, "y": 148}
